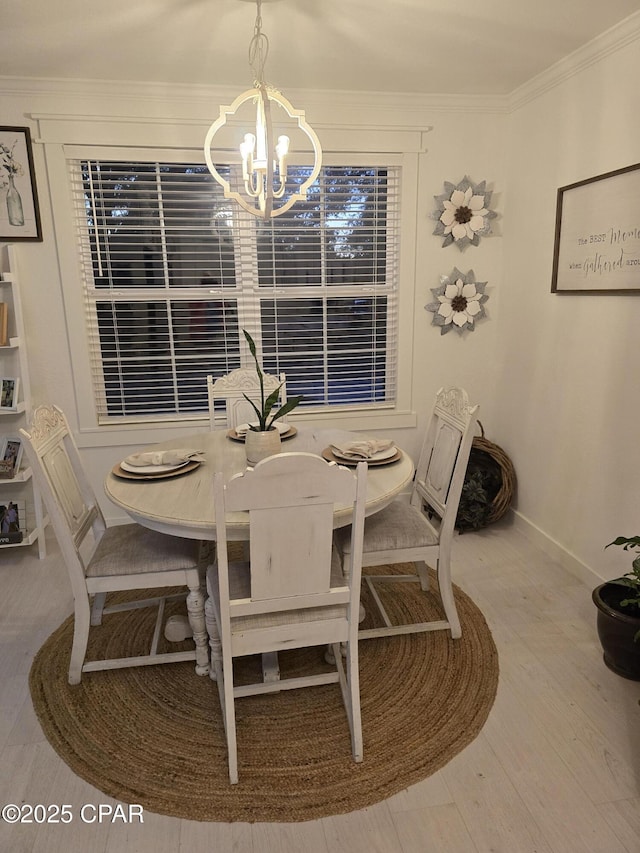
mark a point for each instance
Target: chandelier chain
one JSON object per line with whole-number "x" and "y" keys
{"x": 258, "y": 48}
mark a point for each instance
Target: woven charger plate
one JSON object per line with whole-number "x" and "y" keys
{"x": 330, "y": 456}
{"x": 232, "y": 434}
{"x": 176, "y": 472}
{"x": 154, "y": 735}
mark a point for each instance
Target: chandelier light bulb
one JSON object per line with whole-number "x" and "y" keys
{"x": 246, "y": 150}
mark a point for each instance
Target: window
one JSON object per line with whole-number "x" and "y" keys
{"x": 173, "y": 272}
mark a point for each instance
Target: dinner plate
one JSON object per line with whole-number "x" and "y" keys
{"x": 327, "y": 454}
{"x": 119, "y": 471}
{"x": 151, "y": 469}
{"x": 377, "y": 457}
{"x": 291, "y": 431}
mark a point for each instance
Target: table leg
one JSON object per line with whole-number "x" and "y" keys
{"x": 195, "y": 611}
{"x": 177, "y": 629}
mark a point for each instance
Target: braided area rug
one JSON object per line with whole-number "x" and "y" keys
{"x": 154, "y": 736}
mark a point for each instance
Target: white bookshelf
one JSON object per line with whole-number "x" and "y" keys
{"x": 21, "y": 489}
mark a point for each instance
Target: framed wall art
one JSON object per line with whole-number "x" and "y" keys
{"x": 19, "y": 211}
{"x": 597, "y": 239}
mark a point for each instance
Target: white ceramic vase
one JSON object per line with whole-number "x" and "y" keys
{"x": 259, "y": 445}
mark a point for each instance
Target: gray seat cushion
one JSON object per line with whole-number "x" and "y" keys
{"x": 132, "y": 549}
{"x": 397, "y": 526}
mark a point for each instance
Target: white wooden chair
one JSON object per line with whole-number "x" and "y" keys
{"x": 232, "y": 387}
{"x": 102, "y": 560}
{"x": 292, "y": 593}
{"x": 422, "y": 531}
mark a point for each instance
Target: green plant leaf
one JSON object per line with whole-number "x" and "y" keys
{"x": 624, "y": 581}
{"x": 627, "y": 542}
{"x": 291, "y": 403}
{"x": 271, "y": 401}
{"x": 261, "y": 419}
{"x": 268, "y": 404}
{"x": 252, "y": 350}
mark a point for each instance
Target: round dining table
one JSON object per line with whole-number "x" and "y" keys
{"x": 182, "y": 504}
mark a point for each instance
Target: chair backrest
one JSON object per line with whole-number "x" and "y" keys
{"x": 445, "y": 454}
{"x": 67, "y": 495}
{"x": 231, "y": 390}
{"x": 291, "y": 498}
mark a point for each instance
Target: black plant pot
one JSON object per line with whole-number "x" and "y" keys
{"x": 617, "y": 627}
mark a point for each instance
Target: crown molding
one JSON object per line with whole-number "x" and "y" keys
{"x": 612, "y": 40}
{"x": 328, "y": 107}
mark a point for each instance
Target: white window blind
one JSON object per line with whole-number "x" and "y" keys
{"x": 173, "y": 272}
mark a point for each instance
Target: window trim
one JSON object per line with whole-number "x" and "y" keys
{"x": 95, "y": 434}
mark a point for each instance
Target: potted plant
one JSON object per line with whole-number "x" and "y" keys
{"x": 618, "y": 603}
{"x": 263, "y": 439}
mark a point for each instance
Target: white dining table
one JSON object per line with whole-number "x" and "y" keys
{"x": 183, "y": 505}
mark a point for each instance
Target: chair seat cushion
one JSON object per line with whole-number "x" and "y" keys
{"x": 399, "y": 525}
{"x": 132, "y": 549}
{"x": 240, "y": 587}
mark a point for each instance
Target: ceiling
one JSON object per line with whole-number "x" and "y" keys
{"x": 466, "y": 47}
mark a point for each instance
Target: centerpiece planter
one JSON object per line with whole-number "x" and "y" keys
{"x": 263, "y": 438}
{"x": 618, "y": 617}
{"x": 258, "y": 444}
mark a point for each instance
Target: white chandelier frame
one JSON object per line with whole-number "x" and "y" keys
{"x": 262, "y": 95}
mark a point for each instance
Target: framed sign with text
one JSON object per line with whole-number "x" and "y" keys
{"x": 597, "y": 241}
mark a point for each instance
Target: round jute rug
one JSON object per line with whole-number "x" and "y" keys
{"x": 154, "y": 736}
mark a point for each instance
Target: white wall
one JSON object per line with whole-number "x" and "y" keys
{"x": 569, "y": 373}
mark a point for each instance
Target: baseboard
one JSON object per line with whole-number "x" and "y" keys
{"x": 555, "y": 550}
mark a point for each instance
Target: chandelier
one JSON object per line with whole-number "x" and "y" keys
{"x": 264, "y": 157}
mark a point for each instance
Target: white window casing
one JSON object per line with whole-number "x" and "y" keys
{"x": 157, "y": 321}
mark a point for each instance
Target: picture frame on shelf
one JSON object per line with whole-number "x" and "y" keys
{"x": 19, "y": 210}
{"x": 4, "y": 324}
{"x": 597, "y": 240}
{"x": 10, "y": 457}
{"x": 12, "y": 522}
{"x": 9, "y": 393}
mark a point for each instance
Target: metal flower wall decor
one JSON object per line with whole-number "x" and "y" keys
{"x": 463, "y": 213}
{"x": 459, "y": 302}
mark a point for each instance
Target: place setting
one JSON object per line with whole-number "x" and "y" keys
{"x": 239, "y": 433}
{"x": 158, "y": 464}
{"x": 373, "y": 451}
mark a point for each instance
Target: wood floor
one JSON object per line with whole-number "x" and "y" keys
{"x": 556, "y": 768}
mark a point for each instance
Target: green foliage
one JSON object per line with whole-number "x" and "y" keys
{"x": 631, "y": 579}
{"x": 482, "y": 483}
{"x": 475, "y": 505}
{"x": 263, "y": 413}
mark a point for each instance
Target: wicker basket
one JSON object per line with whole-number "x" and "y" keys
{"x": 487, "y": 454}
